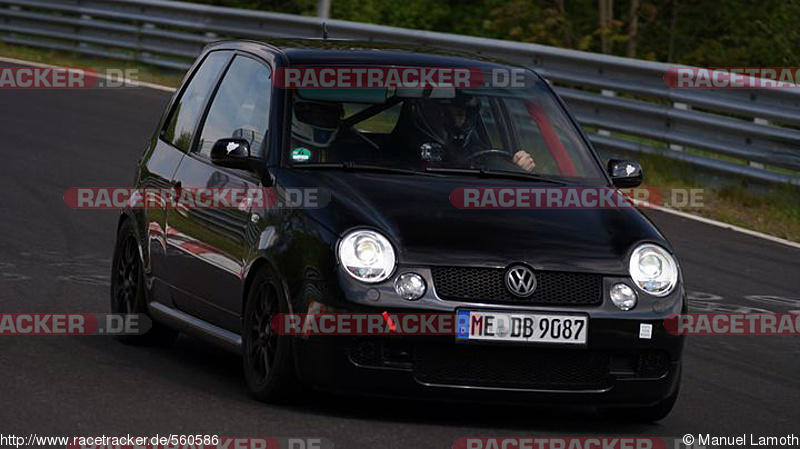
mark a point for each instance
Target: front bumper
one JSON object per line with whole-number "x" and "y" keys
{"x": 615, "y": 369}
{"x": 618, "y": 366}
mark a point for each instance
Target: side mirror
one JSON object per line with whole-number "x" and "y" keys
{"x": 625, "y": 173}
{"x": 232, "y": 153}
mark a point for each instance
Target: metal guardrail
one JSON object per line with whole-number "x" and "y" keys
{"x": 624, "y": 104}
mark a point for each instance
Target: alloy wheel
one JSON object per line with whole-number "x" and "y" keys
{"x": 127, "y": 277}
{"x": 263, "y": 340}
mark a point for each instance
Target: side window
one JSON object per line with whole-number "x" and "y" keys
{"x": 241, "y": 107}
{"x": 180, "y": 126}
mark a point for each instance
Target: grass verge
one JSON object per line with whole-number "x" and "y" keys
{"x": 771, "y": 209}
{"x": 144, "y": 73}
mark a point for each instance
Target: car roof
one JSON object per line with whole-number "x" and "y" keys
{"x": 304, "y": 52}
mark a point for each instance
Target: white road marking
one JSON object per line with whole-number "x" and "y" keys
{"x": 720, "y": 224}
{"x": 700, "y": 302}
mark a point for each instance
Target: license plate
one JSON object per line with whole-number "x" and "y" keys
{"x": 522, "y": 327}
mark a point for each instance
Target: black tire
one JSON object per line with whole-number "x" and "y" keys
{"x": 128, "y": 293}
{"x": 268, "y": 357}
{"x": 647, "y": 414}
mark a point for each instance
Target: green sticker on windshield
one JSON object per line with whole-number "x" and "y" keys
{"x": 301, "y": 154}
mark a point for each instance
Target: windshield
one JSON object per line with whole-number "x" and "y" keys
{"x": 520, "y": 130}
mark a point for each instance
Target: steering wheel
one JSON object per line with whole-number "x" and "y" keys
{"x": 484, "y": 153}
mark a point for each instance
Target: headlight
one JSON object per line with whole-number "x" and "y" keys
{"x": 367, "y": 256}
{"x": 653, "y": 270}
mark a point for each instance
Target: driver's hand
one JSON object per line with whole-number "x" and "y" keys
{"x": 524, "y": 160}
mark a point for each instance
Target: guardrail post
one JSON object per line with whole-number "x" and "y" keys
{"x": 765, "y": 122}
{"x": 606, "y": 93}
{"x": 140, "y": 53}
{"x": 683, "y": 107}
{"x": 6, "y": 20}
{"x": 78, "y": 31}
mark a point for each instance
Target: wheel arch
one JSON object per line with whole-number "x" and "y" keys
{"x": 141, "y": 237}
{"x": 259, "y": 264}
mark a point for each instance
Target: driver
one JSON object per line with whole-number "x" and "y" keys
{"x": 452, "y": 128}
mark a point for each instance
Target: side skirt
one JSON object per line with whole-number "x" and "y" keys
{"x": 184, "y": 322}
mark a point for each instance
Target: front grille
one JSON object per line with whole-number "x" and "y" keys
{"x": 488, "y": 285}
{"x": 511, "y": 367}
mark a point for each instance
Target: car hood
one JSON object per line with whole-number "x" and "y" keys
{"x": 416, "y": 214}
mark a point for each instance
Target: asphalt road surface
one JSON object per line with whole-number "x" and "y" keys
{"x": 55, "y": 259}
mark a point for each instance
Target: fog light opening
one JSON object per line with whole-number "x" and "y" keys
{"x": 410, "y": 286}
{"x": 623, "y": 296}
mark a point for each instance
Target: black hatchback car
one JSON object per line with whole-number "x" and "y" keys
{"x": 397, "y": 231}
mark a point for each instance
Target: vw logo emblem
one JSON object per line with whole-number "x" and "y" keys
{"x": 520, "y": 281}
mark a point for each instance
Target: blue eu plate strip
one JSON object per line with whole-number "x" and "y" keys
{"x": 462, "y": 324}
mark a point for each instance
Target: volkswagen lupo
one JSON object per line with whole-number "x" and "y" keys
{"x": 559, "y": 304}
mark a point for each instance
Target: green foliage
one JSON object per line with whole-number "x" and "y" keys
{"x": 739, "y": 33}
{"x": 729, "y": 33}
{"x": 523, "y": 21}
{"x": 305, "y": 7}
{"x": 454, "y": 16}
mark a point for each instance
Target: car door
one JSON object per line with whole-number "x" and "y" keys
{"x": 173, "y": 141}
{"x": 209, "y": 246}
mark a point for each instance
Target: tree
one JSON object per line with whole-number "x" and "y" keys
{"x": 606, "y": 16}
{"x": 672, "y": 23}
{"x": 633, "y": 29}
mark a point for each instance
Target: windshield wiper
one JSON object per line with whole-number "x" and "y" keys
{"x": 486, "y": 173}
{"x": 362, "y": 167}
